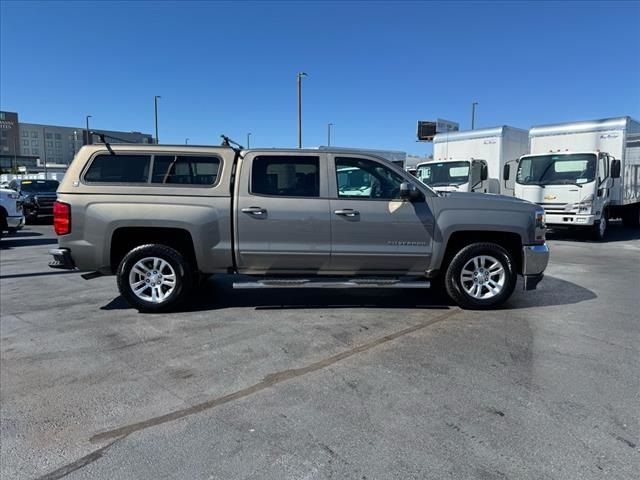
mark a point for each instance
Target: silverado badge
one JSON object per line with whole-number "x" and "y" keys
{"x": 550, "y": 197}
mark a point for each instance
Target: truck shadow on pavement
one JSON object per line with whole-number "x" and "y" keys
{"x": 15, "y": 242}
{"x": 615, "y": 233}
{"x": 217, "y": 293}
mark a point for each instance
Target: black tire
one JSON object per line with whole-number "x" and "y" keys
{"x": 599, "y": 229}
{"x": 453, "y": 281}
{"x": 183, "y": 277}
{"x": 3, "y": 224}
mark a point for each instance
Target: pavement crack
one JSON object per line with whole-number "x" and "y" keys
{"x": 268, "y": 382}
{"x": 78, "y": 464}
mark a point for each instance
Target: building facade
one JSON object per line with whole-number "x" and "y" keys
{"x": 25, "y": 144}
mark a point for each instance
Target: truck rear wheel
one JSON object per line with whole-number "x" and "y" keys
{"x": 481, "y": 275}
{"x": 154, "y": 278}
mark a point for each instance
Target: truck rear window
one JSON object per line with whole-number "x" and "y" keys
{"x": 119, "y": 169}
{"x": 167, "y": 169}
{"x": 286, "y": 176}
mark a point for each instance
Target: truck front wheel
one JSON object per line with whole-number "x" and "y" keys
{"x": 154, "y": 278}
{"x": 480, "y": 276}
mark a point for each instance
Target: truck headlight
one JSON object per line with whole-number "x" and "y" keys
{"x": 541, "y": 226}
{"x": 583, "y": 206}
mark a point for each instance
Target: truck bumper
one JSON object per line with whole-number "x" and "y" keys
{"x": 535, "y": 259}
{"x": 15, "y": 223}
{"x": 61, "y": 259}
{"x": 559, "y": 220}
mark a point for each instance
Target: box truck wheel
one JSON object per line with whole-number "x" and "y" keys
{"x": 481, "y": 275}
{"x": 154, "y": 278}
{"x": 599, "y": 229}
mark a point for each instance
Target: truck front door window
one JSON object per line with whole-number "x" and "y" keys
{"x": 358, "y": 178}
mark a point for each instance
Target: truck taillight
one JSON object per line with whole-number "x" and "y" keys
{"x": 61, "y": 218}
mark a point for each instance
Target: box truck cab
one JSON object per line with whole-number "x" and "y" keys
{"x": 455, "y": 175}
{"x": 583, "y": 173}
{"x": 474, "y": 152}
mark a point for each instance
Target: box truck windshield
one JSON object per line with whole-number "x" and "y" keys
{"x": 574, "y": 169}
{"x": 444, "y": 174}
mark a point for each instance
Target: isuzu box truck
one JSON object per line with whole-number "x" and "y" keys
{"x": 473, "y": 160}
{"x": 583, "y": 173}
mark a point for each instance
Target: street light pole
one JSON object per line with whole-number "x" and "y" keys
{"x": 473, "y": 115}
{"x": 88, "y": 134}
{"x": 249, "y": 140}
{"x": 300, "y": 75}
{"x": 155, "y": 105}
{"x": 44, "y": 150}
{"x": 329, "y": 125}
{"x": 186, "y": 141}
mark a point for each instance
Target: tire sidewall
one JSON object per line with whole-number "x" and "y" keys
{"x": 171, "y": 256}
{"x": 454, "y": 285}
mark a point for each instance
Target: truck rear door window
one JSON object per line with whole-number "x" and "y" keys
{"x": 286, "y": 176}
{"x": 119, "y": 169}
{"x": 185, "y": 170}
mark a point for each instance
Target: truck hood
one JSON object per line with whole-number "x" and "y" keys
{"x": 490, "y": 198}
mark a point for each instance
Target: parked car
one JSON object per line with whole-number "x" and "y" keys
{"x": 11, "y": 217}
{"x": 37, "y": 197}
{"x": 161, "y": 217}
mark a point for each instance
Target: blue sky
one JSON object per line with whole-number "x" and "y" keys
{"x": 375, "y": 68}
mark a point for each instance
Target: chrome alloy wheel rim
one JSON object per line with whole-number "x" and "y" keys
{"x": 152, "y": 279}
{"x": 483, "y": 277}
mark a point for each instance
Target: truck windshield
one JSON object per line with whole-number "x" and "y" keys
{"x": 35, "y": 186}
{"x": 444, "y": 174}
{"x": 572, "y": 169}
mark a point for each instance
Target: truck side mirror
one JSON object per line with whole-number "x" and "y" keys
{"x": 484, "y": 172}
{"x": 506, "y": 172}
{"x": 408, "y": 191}
{"x": 615, "y": 168}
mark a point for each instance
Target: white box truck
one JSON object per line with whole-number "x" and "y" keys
{"x": 473, "y": 160}
{"x": 583, "y": 173}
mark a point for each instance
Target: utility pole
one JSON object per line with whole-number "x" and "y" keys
{"x": 88, "y": 134}
{"x": 155, "y": 105}
{"x": 473, "y": 115}
{"x": 186, "y": 141}
{"x": 329, "y": 125}
{"x": 300, "y": 75}
{"x": 44, "y": 150}
{"x": 249, "y": 140}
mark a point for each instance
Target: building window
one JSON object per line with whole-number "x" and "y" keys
{"x": 34, "y": 143}
{"x": 35, "y": 151}
{"x": 25, "y": 133}
{"x": 58, "y": 136}
{"x": 58, "y": 145}
{"x": 48, "y": 135}
{"x": 25, "y": 151}
{"x": 25, "y": 143}
{"x": 49, "y": 143}
{"x": 34, "y": 134}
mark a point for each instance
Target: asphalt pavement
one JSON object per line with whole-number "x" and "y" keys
{"x": 344, "y": 384}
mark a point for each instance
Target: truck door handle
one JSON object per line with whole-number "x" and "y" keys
{"x": 254, "y": 210}
{"x": 347, "y": 212}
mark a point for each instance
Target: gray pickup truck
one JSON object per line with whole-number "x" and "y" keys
{"x": 162, "y": 218}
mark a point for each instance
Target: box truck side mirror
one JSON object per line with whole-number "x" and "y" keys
{"x": 506, "y": 171}
{"x": 484, "y": 173}
{"x": 615, "y": 168}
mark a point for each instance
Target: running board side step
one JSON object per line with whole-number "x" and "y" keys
{"x": 340, "y": 283}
